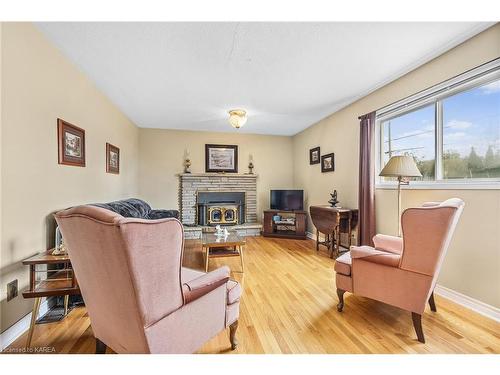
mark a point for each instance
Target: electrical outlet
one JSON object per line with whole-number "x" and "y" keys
{"x": 11, "y": 290}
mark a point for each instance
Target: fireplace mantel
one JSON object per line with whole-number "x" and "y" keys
{"x": 192, "y": 183}
{"x": 238, "y": 175}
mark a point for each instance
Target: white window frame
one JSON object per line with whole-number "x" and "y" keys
{"x": 476, "y": 77}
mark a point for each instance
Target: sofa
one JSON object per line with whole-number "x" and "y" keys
{"x": 137, "y": 208}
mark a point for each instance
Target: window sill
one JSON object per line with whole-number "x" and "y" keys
{"x": 442, "y": 186}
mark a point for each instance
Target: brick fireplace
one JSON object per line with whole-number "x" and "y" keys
{"x": 201, "y": 191}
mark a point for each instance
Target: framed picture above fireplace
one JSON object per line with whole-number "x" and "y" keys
{"x": 221, "y": 158}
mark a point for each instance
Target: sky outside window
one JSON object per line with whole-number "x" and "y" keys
{"x": 471, "y": 133}
{"x": 412, "y": 134}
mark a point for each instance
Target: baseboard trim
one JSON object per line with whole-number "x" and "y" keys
{"x": 482, "y": 308}
{"x": 17, "y": 329}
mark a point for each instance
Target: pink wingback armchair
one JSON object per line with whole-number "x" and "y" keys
{"x": 139, "y": 297}
{"x": 402, "y": 271}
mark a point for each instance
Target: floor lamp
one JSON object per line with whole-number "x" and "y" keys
{"x": 401, "y": 167}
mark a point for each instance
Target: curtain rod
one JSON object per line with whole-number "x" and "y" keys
{"x": 494, "y": 62}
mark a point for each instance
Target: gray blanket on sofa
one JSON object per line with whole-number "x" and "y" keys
{"x": 137, "y": 208}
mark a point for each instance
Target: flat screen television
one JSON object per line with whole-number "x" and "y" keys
{"x": 287, "y": 200}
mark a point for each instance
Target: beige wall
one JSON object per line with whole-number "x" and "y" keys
{"x": 38, "y": 86}
{"x": 472, "y": 266}
{"x": 162, "y": 152}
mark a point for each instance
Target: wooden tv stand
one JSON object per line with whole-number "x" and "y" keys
{"x": 281, "y": 229}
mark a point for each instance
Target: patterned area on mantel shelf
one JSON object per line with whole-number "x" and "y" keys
{"x": 192, "y": 183}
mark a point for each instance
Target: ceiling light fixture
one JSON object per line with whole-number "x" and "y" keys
{"x": 237, "y": 118}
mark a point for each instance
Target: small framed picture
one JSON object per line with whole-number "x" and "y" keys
{"x": 328, "y": 162}
{"x": 112, "y": 159}
{"x": 71, "y": 144}
{"x": 314, "y": 155}
{"x": 221, "y": 158}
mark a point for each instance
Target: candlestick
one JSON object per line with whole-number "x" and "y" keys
{"x": 250, "y": 164}
{"x": 187, "y": 161}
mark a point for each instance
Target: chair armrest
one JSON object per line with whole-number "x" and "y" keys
{"x": 391, "y": 244}
{"x": 372, "y": 255}
{"x": 162, "y": 214}
{"x": 196, "y": 288}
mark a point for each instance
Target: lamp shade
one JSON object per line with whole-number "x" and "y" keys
{"x": 400, "y": 166}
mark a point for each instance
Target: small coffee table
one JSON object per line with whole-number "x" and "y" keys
{"x": 220, "y": 246}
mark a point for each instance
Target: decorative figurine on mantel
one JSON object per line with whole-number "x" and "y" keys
{"x": 250, "y": 164}
{"x": 334, "y": 201}
{"x": 187, "y": 162}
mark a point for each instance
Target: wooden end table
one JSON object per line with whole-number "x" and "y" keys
{"x": 59, "y": 282}
{"x": 332, "y": 221}
{"x": 220, "y": 246}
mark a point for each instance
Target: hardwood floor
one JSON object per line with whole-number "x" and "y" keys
{"x": 289, "y": 306}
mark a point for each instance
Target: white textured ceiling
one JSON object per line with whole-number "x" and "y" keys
{"x": 286, "y": 75}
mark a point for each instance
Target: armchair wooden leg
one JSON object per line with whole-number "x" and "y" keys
{"x": 100, "y": 347}
{"x": 417, "y": 324}
{"x": 432, "y": 304}
{"x": 232, "y": 335}
{"x": 317, "y": 240}
{"x": 340, "y": 294}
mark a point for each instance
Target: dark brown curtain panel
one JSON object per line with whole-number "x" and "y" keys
{"x": 366, "y": 229}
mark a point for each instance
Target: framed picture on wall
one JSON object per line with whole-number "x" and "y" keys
{"x": 112, "y": 159}
{"x": 314, "y": 155}
{"x": 221, "y": 158}
{"x": 328, "y": 163}
{"x": 71, "y": 144}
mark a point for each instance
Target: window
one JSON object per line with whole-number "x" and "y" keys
{"x": 452, "y": 131}
{"x": 412, "y": 134}
{"x": 471, "y": 133}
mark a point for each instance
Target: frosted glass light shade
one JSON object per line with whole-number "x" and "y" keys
{"x": 237, "y": 118}
{"x": 400, "y": 166}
